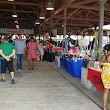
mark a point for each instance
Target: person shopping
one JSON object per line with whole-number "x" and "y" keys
{"x": 40, "y": 47}
{"x": 20, "y": 51}
{"x": 31, "y": 51}
{"x": 7, "y": 51}
{"x": 105, "y": 75}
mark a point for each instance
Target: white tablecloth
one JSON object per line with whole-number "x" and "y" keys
{"x": 85, "y": 81}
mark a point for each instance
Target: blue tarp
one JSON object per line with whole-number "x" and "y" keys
{"x": 72, "y": 67}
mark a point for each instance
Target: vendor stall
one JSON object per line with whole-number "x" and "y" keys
{"x": 72, "y": 67}
{"x": 86, "y": 83}
{"x": 91, "y": 75}
{"x": 95, "y": 77}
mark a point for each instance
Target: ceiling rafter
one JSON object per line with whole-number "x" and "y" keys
{"x": 56, "y": 22}
{"x": 87, "y": 7}
{"x": 81, "y": 14}
{"x": 86, "y": 19}
{"x": 60, "y": 9}
{"x": 86, "y": 22}
{"x": 20, "y": 11}
{"x": 20, "y": 3}
{"x": 74, "y": 24}
{"x": 20, "y": 18}
{"x": 84, "y": 7}
{"x": 72, "y": 13}
{"x": 90, "y": 10}
{"x": 85, "y": 2}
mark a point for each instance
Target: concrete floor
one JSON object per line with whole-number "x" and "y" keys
{"x": 46, "y": 89}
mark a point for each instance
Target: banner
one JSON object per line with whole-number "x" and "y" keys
{"x": 16, "y": 31}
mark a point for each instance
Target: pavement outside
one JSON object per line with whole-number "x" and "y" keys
{"x": 44, "y": 88}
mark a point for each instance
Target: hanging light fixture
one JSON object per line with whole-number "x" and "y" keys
{"x": 42, "y": 16}
{"x": 50, "y": 6}
{"x": 15, "y": 15}
{"x": 37, "y": 21}
{"x": 17, "y": 26}
{"x": 10, "y": 0}
{"x": 16, "y": 22}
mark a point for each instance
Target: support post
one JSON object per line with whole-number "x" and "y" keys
{"x": 65, "y": 12}
{"x": 101, "y": 23}
{"x": 39, "y": 33}
{"x": 51, "y": 25}
{"x": 43, "y": 29}
{"x": 64, "y": 33}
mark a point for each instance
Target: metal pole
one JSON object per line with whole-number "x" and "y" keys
{"x": 39, "y": 33}
{"x": 51, "y": 26}
{"x": 65, "y": 11}
{"x": 64, "y": 34}
{"x": 64, "y": 28}
{"x": 43, "y": 29}
{"x": 101, "y": 23}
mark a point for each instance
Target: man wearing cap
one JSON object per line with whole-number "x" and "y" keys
{"x": 7, "y": 51}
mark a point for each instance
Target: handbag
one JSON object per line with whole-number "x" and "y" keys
{"x": 38, "y": 52}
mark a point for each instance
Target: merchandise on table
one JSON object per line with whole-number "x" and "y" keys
{"x": 72, "y": 67}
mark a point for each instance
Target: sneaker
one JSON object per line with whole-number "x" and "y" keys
{"x": 3, "y": 80}
{"x": 19, "y": 70}
{"x": 12, "y": 81}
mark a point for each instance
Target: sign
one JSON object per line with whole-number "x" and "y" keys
{"x": 16, "y": 31}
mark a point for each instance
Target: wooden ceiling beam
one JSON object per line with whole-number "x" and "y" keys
{"x": 60, "y": 9}
{"x": 90, "y": 10}
{"x": 20, "y": 11}
{"x": 30, "y": 19}
{"x": 85, "y": 19}
{"x": 87, "y": 7}
{"x": 59, "y": 28}
{"x": 54, "y": 23}
{"x": 87, "y": 22}
{"x": 20, "y": 3}
{"x": 83, "y": 7}
{"x": 85, "y": 2}
{"x": 80, "y": 24}
{"x": 72, "y": 13}
{"x": 59, "y": 18}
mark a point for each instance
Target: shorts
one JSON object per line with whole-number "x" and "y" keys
{"x": 7, "y": 64}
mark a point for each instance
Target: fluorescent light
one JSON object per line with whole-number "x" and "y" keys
{"x": 50, "y": 6}
{"x": 17, "y": 26}
{"x": 10, "y": 0}
{"x": 42, "y": 16}
{"x": 37, "y": 22}
{"x": 14, "y": 16}
{"x": 16, "y": 22}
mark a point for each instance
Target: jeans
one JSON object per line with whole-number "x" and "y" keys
{"x": 19, "y": 61}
